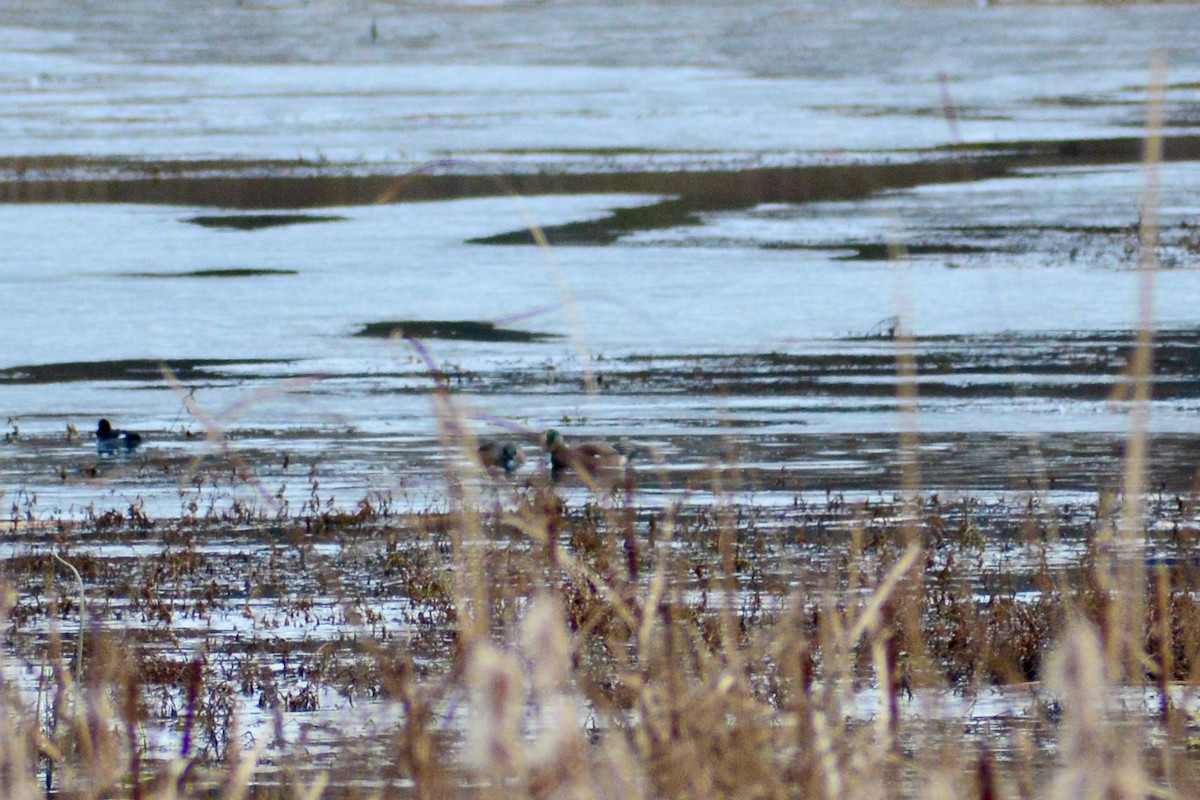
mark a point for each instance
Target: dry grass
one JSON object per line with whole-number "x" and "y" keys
{"x": 710, "y": 650}
{"x": 610, "y": 650}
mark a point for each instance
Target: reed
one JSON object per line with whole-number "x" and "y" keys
{"x": 511, "y": 644}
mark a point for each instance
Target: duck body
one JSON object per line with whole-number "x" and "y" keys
{"x": 110, "y": 439}
{"x": 590, "y": 460}
{"x": 496, "y": 455}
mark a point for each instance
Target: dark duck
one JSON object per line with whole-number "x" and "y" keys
{"x": 110, "y": 439}
{"x": 501, "y": 455}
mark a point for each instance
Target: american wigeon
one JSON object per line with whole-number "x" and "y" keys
{"x": 109, "y": 439}
{"x": 590, "y": 460}
{"x": 505, "y": 455}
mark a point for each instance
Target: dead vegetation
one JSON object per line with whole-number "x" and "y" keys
{"x": 513, "y": 645}
{"x": 532, "y": 648}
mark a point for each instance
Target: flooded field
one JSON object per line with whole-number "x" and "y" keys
{"x": 759, "y": 326}
{"x": 865, "y": 318}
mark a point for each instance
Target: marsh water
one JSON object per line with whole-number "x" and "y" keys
{"x": 723, "y": 225}
{"x": 741, "y": 208}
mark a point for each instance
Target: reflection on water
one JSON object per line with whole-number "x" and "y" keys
{"x": 766, "y": 329}
{"x": 222, "y": 221}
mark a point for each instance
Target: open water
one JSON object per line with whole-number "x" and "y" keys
{"x": 745, "y": 202}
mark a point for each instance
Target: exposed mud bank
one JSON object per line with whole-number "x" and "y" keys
{"x": 453, "y": 330}
{"x": 214, "y": 273}
{"x": 138, "y": 369}
{"x": 257, "y": 222}
{"x": 1068, "y": 366}
{"x": 297, "y": 185}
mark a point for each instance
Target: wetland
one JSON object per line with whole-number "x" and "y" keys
{"x": 903, "y": 341}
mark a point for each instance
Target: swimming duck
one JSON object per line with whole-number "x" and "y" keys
{"x": 109, "y": 438}
{"x": 589, "y": 460}
{"x": 507, "y": 455}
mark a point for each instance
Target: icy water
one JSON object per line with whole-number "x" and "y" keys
{"x": 737, "y": 211}
{"x": 768, "y": 179}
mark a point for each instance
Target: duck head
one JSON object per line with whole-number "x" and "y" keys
{"x": 553, "y": 441}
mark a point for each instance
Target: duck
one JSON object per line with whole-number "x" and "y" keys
{"x": 588, "y": 460}
{"x": 505, "y": 455}
{"x": 109, "y": 439}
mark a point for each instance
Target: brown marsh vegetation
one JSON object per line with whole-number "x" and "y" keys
{"x": 514, "y": 645}
{"x": 506, "y": 642}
